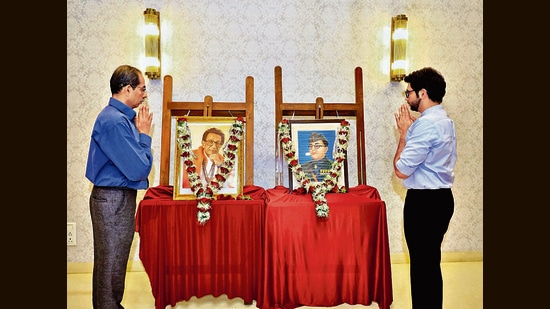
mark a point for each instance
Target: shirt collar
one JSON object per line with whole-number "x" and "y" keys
{"x": 123, "y": 108}
{"x": 432, "y": 109}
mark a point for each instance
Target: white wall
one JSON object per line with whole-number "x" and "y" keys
{"x": 210, "y": 47}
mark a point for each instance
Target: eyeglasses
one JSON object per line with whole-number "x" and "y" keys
{"x": 211, "y": 142}
{"x": 316, "y": 146}
{"x": 143, "y": 88}
{"x": 407, "y": 93}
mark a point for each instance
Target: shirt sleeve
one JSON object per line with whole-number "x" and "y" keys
{"x": 419, "y": 141}
{"x": 129, "y": 150}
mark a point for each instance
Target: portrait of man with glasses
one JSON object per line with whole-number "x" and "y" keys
{"x": 320, "y": 165}
{"x": 208, "y": 157}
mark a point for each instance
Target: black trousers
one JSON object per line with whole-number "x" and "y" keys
{"x": 426, "y": 217}
{"x": 113, "y": 221}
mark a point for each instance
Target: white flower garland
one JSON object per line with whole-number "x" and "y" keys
{"x": 320, "y": 188}
{"x": 206, "y": 195}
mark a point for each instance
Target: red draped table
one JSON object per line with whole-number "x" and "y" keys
{"x": 312, "y": 262}
{"x": 183, "y": 258}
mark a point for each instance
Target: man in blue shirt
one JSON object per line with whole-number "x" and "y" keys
{"x": 425, "y": 160}
{"x": 119, "y": 163}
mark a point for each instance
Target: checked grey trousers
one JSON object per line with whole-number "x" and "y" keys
{"x": 112, "y": 212}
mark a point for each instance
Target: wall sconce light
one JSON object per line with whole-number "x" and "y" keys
{"x": 151, "y": 30}
{"x": 398, "y": 54}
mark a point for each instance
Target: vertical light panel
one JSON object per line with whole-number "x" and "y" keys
{"x": 398, "y": 54}
{"x": 151, "y": 31}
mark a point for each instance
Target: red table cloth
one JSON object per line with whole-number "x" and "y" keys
{"x": 312, "y": 262}
{"x": 183, "y": 258}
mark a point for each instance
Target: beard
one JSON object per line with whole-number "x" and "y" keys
{"x": 414, "y": 106}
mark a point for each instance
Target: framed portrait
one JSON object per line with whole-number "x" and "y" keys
{"x": 316, "y": 142}
{"x": 209, "y": 139}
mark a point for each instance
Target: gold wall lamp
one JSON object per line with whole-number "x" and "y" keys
{"x": 151, "y": 30}
{"x": 398, "y": 53}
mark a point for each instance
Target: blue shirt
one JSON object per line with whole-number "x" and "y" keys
{"x": 119, "y": 155}
{"x": 429, "y": 155}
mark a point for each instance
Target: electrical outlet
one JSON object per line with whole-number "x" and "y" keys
{"x": 71, "y": 233}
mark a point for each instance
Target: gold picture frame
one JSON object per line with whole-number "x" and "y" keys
{"x": 300, "y": 132}
{"x": 198, "y": 126}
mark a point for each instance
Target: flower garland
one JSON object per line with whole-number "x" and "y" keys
{"x": 206, "y": 195}
{"x": 330, "y": 183}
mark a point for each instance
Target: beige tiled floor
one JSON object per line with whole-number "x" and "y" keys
{"x": 463, "y": 288}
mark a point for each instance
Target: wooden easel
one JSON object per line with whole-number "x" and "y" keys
{"x": 207, "y": 108}
{"x": 319, "y": 109}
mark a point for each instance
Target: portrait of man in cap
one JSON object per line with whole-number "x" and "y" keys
{"x": 320, "y": 165}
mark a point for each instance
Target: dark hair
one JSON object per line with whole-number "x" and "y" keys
{"x": 215, "y": 131}
{"x": 318, "y": 137}
{"x": 124, "y": 75}
{"x": 429, "y": 79}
